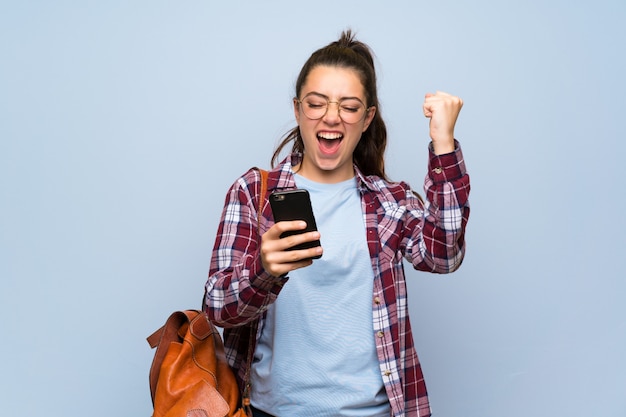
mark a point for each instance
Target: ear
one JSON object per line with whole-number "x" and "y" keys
{"x": 371, "y": 112}
{"x": 296, "y": 110}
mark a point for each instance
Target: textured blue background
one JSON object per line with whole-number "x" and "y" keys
{"x": 122, "y": 124}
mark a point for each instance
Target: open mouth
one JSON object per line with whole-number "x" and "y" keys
{"x": 329, "y": 141}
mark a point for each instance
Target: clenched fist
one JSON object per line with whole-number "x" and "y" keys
{"x": 442, "y": 109}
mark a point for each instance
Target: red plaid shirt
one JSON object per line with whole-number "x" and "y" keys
{"x": 399, "y": 224}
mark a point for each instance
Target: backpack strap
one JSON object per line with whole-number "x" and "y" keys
{"x": 245, "y": 398}
{"x": 264, "y": 175}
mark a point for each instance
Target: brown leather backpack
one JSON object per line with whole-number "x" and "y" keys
{"x": 190, "y": 376}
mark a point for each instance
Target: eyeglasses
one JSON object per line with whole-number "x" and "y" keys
{"x": 315, "y": 106}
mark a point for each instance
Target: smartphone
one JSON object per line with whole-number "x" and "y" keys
{"x": 295, "y": 205}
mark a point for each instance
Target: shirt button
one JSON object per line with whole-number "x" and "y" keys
{"x": 387, "y": 372}
{"x": 438, "y": 170}
{"x": 380, "y": 334}
{"x": 377, "y": 300}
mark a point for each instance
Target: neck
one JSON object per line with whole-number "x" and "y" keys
{"x": 323, "y": 176}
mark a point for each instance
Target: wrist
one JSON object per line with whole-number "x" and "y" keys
{"x": 439, "y": 148}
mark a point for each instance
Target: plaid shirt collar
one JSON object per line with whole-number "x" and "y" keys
{"x": 286, "y": 179}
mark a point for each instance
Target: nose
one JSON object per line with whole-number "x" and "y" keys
{"x": 332, "y": 116}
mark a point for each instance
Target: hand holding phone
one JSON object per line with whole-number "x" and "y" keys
{"x": 295, "y": 205}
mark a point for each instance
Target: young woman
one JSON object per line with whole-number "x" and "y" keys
{"x": 331, "y": 336}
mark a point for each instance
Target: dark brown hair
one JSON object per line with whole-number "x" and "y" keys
{"x": 347, "y": 52}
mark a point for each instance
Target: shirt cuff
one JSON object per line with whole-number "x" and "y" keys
{"x": 446, "y": 167}
{"x": 265, "y": 281}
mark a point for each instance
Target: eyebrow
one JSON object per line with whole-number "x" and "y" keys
{"x": 328, "y": 98}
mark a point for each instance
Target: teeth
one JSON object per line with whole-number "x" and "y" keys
{"x": 330, "y": 136}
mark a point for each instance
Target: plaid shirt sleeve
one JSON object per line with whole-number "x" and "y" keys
{"x": 429, "y": 234}
{"x": 239, "y": 289}
{"x": 435, "y": 229}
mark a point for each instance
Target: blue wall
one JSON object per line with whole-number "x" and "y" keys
{"x": 122, "y": 124}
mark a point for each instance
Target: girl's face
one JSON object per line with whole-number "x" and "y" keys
{"x": 329, "y": 140}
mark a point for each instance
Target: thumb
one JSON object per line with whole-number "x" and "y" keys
{"x": 426, "y": 107}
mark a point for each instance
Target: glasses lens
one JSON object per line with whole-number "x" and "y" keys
{"x": 315, "y": 107}
{"x": 351, "y": 111}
